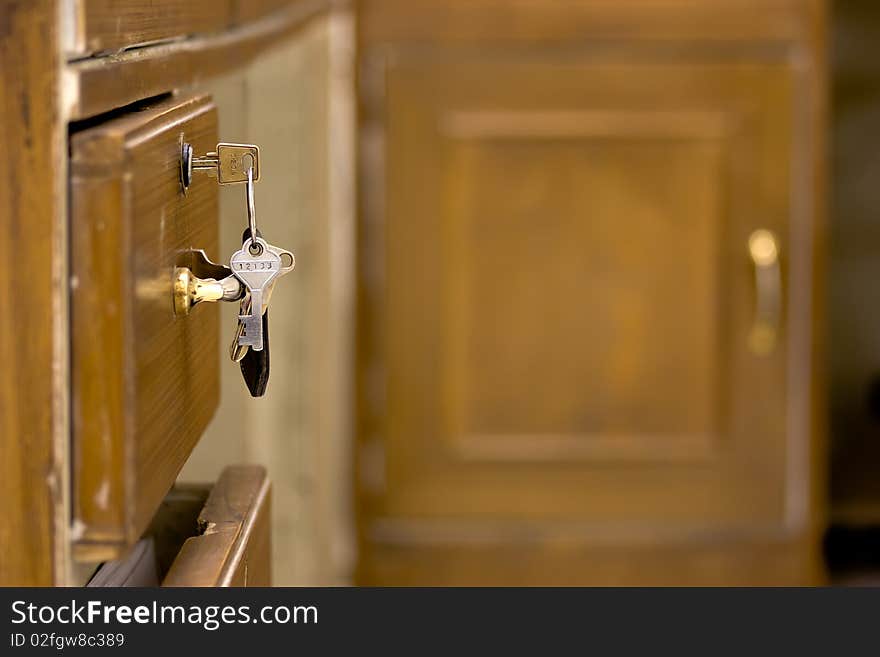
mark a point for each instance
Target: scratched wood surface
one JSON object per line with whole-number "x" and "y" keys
{"x": 145, "y": 383}
{"x": 31, "y": 477}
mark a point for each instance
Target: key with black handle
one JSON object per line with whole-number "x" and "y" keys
{"x": 254, "y": 363}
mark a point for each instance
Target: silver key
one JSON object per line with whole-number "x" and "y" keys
{"x": 238, "y": 348}
{"x": 256, "y": 265}
{"x": 238, "y": 351}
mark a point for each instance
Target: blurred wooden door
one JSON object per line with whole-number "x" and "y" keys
{"x": 558, "y": 383}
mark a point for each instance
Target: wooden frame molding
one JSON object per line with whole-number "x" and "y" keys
{"x": 32, "y": 379}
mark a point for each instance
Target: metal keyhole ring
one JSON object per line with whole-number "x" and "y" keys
{"x": 186, "y": 165}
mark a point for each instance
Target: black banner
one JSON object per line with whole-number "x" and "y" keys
{"x": 454, "y": 621}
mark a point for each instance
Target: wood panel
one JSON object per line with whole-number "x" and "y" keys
{"x": 106, "y": 25}
{"x": 234, "y": 547}
{"x": 613, "y": 310}
{"x": 145, "y": 383}
{"x": 558, "y": 298}
{"x": 558, "y": 21}
{"x": 31, "y": 402}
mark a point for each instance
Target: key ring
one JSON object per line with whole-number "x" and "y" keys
{"x": 255, "y": 248}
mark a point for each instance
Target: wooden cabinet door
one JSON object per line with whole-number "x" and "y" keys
{"x": 559, "y": 307}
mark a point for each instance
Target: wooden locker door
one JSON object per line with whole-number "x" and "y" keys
{"x": 560, "y": 332}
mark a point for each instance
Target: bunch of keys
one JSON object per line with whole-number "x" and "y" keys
{"x": 256, "y": 267}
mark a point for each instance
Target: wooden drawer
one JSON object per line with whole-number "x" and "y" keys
{"x": 145, "y": 382}
{"x": 233, "y": 544}
{"x": 203, "y": 536}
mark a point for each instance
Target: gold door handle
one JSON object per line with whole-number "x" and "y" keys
{"x": 764, "y": 251}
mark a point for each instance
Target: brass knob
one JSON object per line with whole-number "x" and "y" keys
{"x": 190, "y": 290}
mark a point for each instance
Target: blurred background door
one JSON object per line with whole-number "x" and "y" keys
{"x": 587, "y": 292}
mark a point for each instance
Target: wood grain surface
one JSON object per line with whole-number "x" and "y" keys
{"x": 31, "y": 397}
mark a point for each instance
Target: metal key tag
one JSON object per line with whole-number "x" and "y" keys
{"x": 256, "y": 266}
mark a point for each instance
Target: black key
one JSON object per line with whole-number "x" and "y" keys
{"x": 255, "y": 364}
